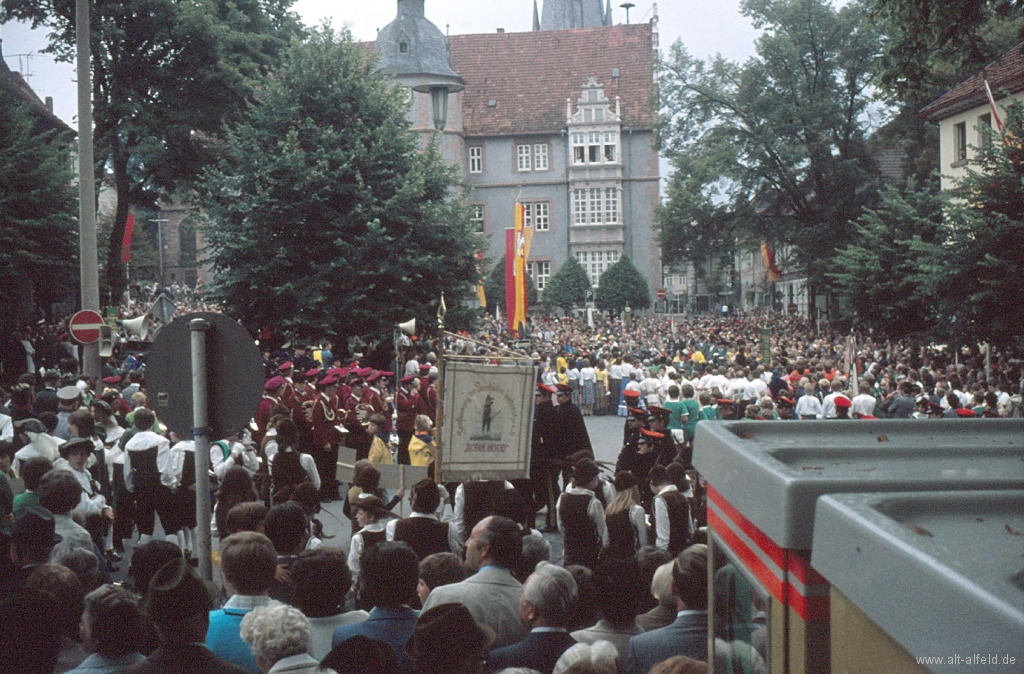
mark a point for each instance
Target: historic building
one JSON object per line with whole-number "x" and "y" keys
{"x": 560, "y": 119}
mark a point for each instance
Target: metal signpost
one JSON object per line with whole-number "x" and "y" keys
{"x": 216, "y": 396}
{"x": 85, "y": 327}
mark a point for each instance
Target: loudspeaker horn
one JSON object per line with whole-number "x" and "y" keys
{"x": 409, "y": 327}
{"x": 106, "y": 341}
{"x": 138, "y": 326}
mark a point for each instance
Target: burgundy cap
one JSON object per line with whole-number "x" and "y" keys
{"x": 329, "y": 380}
{"x": 374, "y": 376}
{"x": 287, "y": 365}
{"x": 116, "y": 379}
{"x": 312, "y": 373}
{"x": 630, "y": 394}
{"x": 273, "y": 383}
{"x": 544, "y": 388}
{"x": 563, "y": 388}
{"x": 406, "y": 380}
{"x": 842, "y": 401}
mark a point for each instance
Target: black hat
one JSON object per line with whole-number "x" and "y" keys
{"x": 34, "y": 524}
{"x": 30, "y": 425}
{"x": 625, "y": 480}
{"x": 76, "y": 444}
{"x": 432, "y": 634}
{"x": 176, "y": 593}
{"x": 584, "y": 471}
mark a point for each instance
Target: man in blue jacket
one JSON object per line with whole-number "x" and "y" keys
{"x": 688, "y": 635}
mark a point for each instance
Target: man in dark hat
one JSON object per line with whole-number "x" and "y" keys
{"x": 631, "y": 440}
{"x": 46, "y": 400}
{"x": 543, "y": 472}
{"x": 435, "y": 652}
{"x": 32, "y": 537}
{"x": 581, "y": 516}
{"x": 177, "y": 602}
{"x": 569, "y": 426}
{"x": 407, "y": 401}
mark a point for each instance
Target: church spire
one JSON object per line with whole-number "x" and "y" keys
{"x": 608, "y": 14}
{"x": 536, "y": 16}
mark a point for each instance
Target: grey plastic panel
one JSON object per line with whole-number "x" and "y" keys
{"x": 942, "y": 573}
{"x": 774, "y": 471}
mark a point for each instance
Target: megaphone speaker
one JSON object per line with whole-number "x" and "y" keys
{"x": 409, "y": 327}
{"x": 106, "y": 341}
{"x": 138, "y": 326}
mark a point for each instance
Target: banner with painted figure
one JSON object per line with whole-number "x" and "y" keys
{"x": 487, "y": 421}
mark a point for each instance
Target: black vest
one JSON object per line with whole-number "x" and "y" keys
{"x": 477, "y": 502}
{"x": 372, "y": 538}
{"x": 188, "y": 470}
{"x": 144, "y": 472}
{"x": 621, "y": 536}
{"x": 582, "y": 543}
{"x": 424, "y": 535}
{"x": 678, "y": 520}
{"x": 288, "y": 471}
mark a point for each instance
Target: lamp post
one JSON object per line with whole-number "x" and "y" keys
{"x": 87, "y": 252}
{"x": 160, "y": 244}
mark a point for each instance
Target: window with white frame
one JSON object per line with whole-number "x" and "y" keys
{"x": 609, "y": 146}
{"x": 596, "y": 206}
{"x": 523, "y": 155}
{"x": 594, "y": 147}
{"x": 611, "y": 205}
{"x": 960, "y": 142}
{"x": 541, "y": 274}
{"x": 476, "y": 160}
{"x": 579, "y": 207}
{"x": 579, "y": 148}
{"x": 535, "y": 215}
{"x": 540, "y": 157}
{"x": 596, "y": 262}
{"x": 478, "y": 218}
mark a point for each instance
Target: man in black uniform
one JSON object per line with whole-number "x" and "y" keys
{"x": 630, "y": 440}
{"x": 570, "y": 430}
{"x": 543, "y": 474}
{"x": 665, "y": 447}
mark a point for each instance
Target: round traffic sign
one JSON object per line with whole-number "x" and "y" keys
{"x": 85, "y": 326}
{"x": 662, "y": 293}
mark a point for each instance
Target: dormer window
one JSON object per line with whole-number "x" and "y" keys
{"x": 403, "y": 47}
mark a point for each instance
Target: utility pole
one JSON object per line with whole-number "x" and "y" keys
{"x": 160, "y": 244}
{"x": 87, "y": 252}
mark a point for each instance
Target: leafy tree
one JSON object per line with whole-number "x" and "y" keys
{"x": 974, "y": 270}
{"x": 567, "y": 288}
{"x": 324, "y": 215}
{"x": 494, "y": 287}
{"x": 622, "y": 285}
{"x": 773, "y": 148}
{"x": 875, "y": 276}
{"x": 38, "y": 209}
{"x": 166, "y": 76}
{"x": 928, "y": 46}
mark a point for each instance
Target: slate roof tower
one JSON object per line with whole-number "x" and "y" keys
{"x": 567, "y": 14}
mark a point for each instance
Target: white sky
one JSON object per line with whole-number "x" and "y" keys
{"x": 706, "y": 28}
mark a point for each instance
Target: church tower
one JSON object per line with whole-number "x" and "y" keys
{"x": 567, "y": 14}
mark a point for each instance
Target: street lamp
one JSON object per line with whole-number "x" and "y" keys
{"x": 415, "y": 52}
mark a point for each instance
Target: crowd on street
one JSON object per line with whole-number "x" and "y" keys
{"x": 87, "y": 471}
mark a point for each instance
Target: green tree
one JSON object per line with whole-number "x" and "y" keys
{"x": 622, "y": 285}
{"x": 773, "y": 148}
{"x": 874, "y": 276}
{"x": 166, "y": 76}
{"x": 974, "y": 270}
{"x": 567, "y": 288}
{"x": 38, "y": 210}
{"x": 324, "y": 216}
{"x": 494, "y": 287}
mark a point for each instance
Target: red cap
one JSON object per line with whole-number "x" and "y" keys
{"x": 312, "y": 373}
{"x": 842, "y": 401}
{"x": 544, "y": 388}
{"x": 966, "y": 413}
{"x": 387, "y": 373}
{"x": 273, "y": 383}
{"x": 564, "y": 388}
{"x": 287, "y": 365}
{"x": 867, "y": 416}
{"x": 725, "y": 401}
{"x": 630, "y": 393}
{"x": 116, "y": 379}
{"x": 424, "y": 367}
{"x": 652, "y": 434}
{"x": 374, "y": 376}
{"x": 356, "y": 382}
{"x": 638, "y": 414}
{"x": 658, "y": 411}
{"x": 990, "y": 414}
{"x": 329, "y": 380}
{"x": 783, "y": 400}
{"x": 406, "y": 380}
{"x": 934, "y": 407}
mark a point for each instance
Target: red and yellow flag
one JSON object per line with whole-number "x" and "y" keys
{"x": 517, "y": 252}
{"x": 768, "y": 255}
{"x": 481, "y": 295}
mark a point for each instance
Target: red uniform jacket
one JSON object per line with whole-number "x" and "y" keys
{"x": 408, "y": 407}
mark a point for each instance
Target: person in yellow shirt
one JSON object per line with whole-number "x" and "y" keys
{"x": 379, "y": 451}
{"x": 422, "y": 449}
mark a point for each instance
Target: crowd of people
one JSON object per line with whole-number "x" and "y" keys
{"x": 87, "y": 468}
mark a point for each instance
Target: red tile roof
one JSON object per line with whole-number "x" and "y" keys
{"x": 530, "y": 75}
{"x": 1006, "y": 73}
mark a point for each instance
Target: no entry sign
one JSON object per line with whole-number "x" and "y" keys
{"x": 85, "y": 326}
